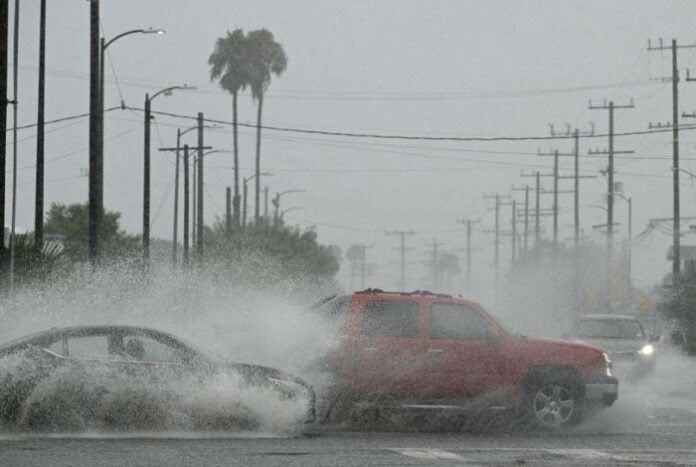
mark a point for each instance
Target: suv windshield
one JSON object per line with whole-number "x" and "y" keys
{"x": 610, "y": 329}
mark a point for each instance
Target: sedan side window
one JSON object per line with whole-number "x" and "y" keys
{"x": 455, "y": 321}
{"x": 391, "y": 318}
{"x": 82, "y": 347}
{"x": 147, "y": 349}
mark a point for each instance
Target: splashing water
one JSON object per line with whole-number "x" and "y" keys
{"x": 238, "y": 318}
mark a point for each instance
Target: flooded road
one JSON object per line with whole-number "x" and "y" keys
{"x": 652, "y": 423}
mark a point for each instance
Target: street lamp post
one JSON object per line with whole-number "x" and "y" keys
{"x": 276, "y": 203}
{"x": 244, "y": 193}
{"x": 630, "y": 238}
{"x": 146, "y": 166}
{"x": 104, "y": 44}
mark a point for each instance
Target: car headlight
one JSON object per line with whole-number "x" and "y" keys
{"x": 647, "y": 350}
{"x": 607, "y": 363}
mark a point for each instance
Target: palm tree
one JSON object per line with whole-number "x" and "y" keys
{"x": 228, "y": 64}
{"x": 266, "y": 57}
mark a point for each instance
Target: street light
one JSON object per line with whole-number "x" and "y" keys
{"x": 630, "y": 237}
{"x": 244, "y": 193}
{"x": 276, "y": 202}
{"x": 146, "y": 169}
{"x": 102, "y": 59}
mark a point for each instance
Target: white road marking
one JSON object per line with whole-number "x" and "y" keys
{"x": 581, "y": 453}
{"x": 430, "y": 454}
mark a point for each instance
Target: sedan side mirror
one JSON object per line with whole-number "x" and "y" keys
{"x": 654, "y": 338}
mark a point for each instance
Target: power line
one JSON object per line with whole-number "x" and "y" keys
{"x": 409, "y": 137}
{"x": 64, "y": 119}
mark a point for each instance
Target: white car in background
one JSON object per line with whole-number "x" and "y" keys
{"x": 630, "y": 349}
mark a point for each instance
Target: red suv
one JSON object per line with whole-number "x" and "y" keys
{"x": 422, "y": 350}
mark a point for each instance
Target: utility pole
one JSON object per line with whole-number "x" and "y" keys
{"x": 186, "y": 206}
{"x": 611, "y": 107}
{"x": 537, "y": 175}
{"x": 95, "y": 210}
{"x": 177, "y": 150}
{"x": 496, "y": 254}
{"x": 193, "y": 202}
{"x": 526, "y": 218}
{"x": 676, "y": 262}
{"x": 39, "y": 198}
{"x": 468, "y": 223}
{"x": 538, "y": 211}
{"x": 435, "y": 245}
{"x": 228, "y": 213}
{"x": 514, "y": 231}
{"x": 200, "y": 225}
{"x": 555, "y": 154}
{"x": 526, "y": 214}
{"x": 363, "y": 264}
{"x": 4, "y": 42}
{"x": 146, "y": 182}
{"x": 576, "y": 133}
{"x": 265, "y": 205}
{"x": 402, "y": 248}
{"x": 176, "y": 198}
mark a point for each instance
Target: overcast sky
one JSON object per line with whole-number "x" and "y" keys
{"x": 416, "y": 68}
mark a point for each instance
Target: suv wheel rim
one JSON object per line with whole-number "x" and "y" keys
{"x": 553, "y": 405}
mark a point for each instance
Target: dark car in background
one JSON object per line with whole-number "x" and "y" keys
{"x": 631, "y": 350}
{"x": 105, "y": 371}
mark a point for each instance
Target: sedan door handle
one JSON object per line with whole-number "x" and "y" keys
{"x": 435, "y": 350}
{"x": 370, "y": 349}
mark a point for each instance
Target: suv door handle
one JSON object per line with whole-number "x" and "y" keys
{"x": 369, "y": 349}
{"x": 435, "y": 350}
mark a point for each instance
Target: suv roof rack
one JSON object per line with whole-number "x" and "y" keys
{"x": 372, "y": 291}
{"x": 415, "y": 292}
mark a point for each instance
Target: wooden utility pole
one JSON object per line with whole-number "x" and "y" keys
{"x": 576, "y": 134}
{"x": 39, "y": 197}
{"x": 186, "y": 206}
{"x": 468, "y": 223}
{"x": 435, "y": 245}
{"x": 555, "y": 154}
{"x": 402, "y": 251}
{"x": 4, "y": 43}
{"x": 611, "y": 107}
{"x": 676, "y": 258}
{"x": 496, "y": 255}
{"x": 514, "y": 231}
{"x": 228, "y": 211}
{"x": 200, "y": 225}
{"x": 177, "y": 150}
{"x": 95, "y": 211}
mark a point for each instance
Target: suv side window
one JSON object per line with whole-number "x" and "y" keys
{"x": 390, "y": 318}
{"x": 456, "y": 321}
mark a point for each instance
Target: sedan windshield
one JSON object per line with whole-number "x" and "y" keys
{"x": 610, "y": 329}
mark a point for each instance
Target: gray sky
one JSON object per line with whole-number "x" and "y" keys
{"x": 444, "y": 68}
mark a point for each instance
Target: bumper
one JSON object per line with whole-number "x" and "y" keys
{"x": 603, "y": 389}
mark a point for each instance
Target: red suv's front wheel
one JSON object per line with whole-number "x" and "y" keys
{"x": 553, "y": 404}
